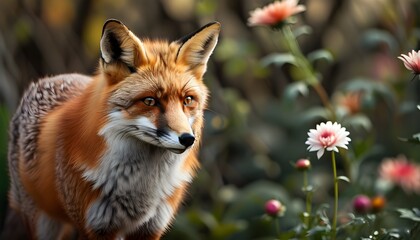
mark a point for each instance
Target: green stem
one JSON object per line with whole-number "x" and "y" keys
{"x": 277, "y": 223}
{"x": 334, "y": 221}
{"x": 303, "y": 64}
{"x": 301, "y": 60}
{"x": 308, "y": 194}
{"x": 320, "y": 90}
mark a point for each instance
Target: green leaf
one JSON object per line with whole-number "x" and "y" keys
{"x": 417, "y": 136}
{"x": 278, "y": 59}
{"x": 308, "y": 189}
{"x": 318, "y": 229}
{"x": 414, "y": 139}
{"x": 370, "y": 91}
{"x": 293, "y": 90}
{"x": 375, "y": 38}
{"x": 413, "y": 214}
{"x": 302, "y": 30}
{"x": 365, "y": 84}
{"x": 359, "y": 121}
{"x": 314, "y": 113}
{"x": 343, "y": 178}
{"x": 319, "y": 55}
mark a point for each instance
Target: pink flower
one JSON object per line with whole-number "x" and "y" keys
{"x": 401, "y": 172}
{"x": 303, "y": 164}
{"x": 362, "y": 204}
{"x": 327, "y": 136}
{"x": 351, "y": 102}
{"x": 274, "y": 13}
{"x": 274, "y": 208}
{"x": 412, "y": 61}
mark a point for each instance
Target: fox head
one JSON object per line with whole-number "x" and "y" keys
{"x": 154, "y": 89}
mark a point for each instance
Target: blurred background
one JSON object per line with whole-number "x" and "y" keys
{"x": 258, "y": 117}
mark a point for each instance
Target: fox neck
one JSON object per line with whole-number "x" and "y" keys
{"x": 144, "y": 176}
{"x": 129, "y": 159}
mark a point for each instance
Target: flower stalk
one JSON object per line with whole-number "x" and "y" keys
{"x": 308, "y": 192}
{"x": 304, "y": 165}
{"x": 329, "y": 136}
{"x": 301, "y": 60}
{"x": 275, "y": 209}
{"x": 277, "y": 223}
{"x": 303, "y": 64}
{"x": 335, "y": 210}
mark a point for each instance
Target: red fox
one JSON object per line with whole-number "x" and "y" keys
{"x": 111, "y": 156}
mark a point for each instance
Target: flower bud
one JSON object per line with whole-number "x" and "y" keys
{"x": 378, "y": 204}
{"x": 274, "y": 208}
{"x": 362, "y": 204}
{"x": 303, "y": 164}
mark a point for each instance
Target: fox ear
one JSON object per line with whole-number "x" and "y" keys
{"x": 120, "y": 45}
{"x": 197, "y": 47}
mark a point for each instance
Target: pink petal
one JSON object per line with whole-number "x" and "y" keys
{"x": 412, "y": 61}
{"x": 274, "y": 13}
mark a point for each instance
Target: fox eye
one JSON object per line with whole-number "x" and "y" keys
{"x": 149, "y": 101}
{"x": 188, "y": 100}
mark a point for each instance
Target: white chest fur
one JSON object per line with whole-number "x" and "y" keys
{"x": 135, "y": 179}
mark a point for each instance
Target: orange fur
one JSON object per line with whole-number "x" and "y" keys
{"x": 113, "y": 154}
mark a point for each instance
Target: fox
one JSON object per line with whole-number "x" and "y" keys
{"x": 111, "y": 156}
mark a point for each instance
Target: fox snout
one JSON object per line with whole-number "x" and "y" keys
{"x": 179, "y": 143}
{"x": 186, "y": 139}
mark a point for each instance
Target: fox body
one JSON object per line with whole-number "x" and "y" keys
{"x": 111, "y": 156}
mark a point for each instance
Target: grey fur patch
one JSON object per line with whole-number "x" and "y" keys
{"x": 47, "y": 228}
{"x": 39, "y": 99}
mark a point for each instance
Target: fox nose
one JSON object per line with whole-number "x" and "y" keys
{"x": 186, "y": 139}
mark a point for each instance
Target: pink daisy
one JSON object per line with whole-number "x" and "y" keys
{"x": 274, "y": 13}
{"x": 328, "y": 136}
{"x": 401, "y": 172}
{"x": 412, "y": 61}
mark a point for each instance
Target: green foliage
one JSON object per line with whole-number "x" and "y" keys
{"x": 302, "y": 30}
{"x": 414, "y": 139}
{"x": 278, "y": 59}
{"x": 373, "y": 38}
{"x": 302, "y": 103}
{"x": 320, "y": 55}
{"x": 413, "y": 214}
{"x": 4, "y": 183}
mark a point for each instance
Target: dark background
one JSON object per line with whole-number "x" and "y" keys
{"x": 256, "y": 124}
